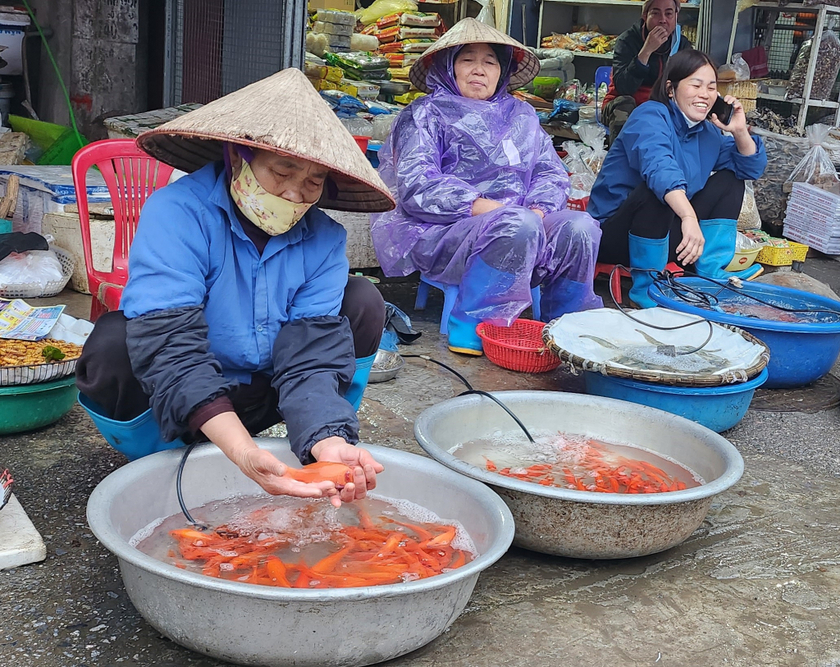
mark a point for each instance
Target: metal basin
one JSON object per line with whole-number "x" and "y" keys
{"x": 585, "y": 524}
{"x": 261, "y": 625}
{"x": 386, "y": 365}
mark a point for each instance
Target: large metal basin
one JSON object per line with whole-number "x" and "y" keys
{"x": 585, "y": 524}
{"x": 261, "y": 625}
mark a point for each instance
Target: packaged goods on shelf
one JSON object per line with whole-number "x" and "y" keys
{"x": 332, "y": 28}
{"x": 336, "y": 17}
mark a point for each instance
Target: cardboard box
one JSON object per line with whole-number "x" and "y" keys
{"x": 343, "y": 5}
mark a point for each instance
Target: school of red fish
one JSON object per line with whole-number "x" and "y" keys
{"x": 596, "y": 472}
{"x": 374, "y": 552}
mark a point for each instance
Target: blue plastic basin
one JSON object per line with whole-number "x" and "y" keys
{"x": 716, "y": 408}
{"x": 800, "y": 352}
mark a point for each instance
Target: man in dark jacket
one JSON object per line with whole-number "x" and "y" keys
{"x": 640, "y": 55}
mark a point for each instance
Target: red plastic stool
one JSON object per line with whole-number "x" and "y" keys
{"x": 602, "y": 268}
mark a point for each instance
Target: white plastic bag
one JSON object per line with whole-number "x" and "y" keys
{"x": 749, "y": 217}
{"x": 31, "y": 268}
{"x": 816, "y": 167}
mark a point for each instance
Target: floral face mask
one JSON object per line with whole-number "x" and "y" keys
{"x": 274, "y": 215}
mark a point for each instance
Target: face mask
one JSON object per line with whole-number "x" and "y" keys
{"x": 273, "y": 214}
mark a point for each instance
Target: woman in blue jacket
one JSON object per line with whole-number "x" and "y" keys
{"x": 656, "y": 196}
{"x": 238, "y": 312}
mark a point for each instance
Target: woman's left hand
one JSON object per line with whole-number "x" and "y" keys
{"x": 365, "y": 467}
{"x": 738, "y": 122}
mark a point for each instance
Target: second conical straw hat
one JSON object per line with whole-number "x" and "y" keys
{"x": 471, "y": 31}
{"x": 282, "y": 113}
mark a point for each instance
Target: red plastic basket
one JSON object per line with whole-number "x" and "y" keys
{"x": 519, "y": 347}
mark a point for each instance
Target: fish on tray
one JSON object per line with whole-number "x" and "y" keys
{"x": 658, "y": 356}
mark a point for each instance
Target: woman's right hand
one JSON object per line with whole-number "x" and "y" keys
{"x": 226, "y": 431}
{"x": 266, "y": 470}
{"x": 691, "y": 247}
{"x": 482, "y": 205}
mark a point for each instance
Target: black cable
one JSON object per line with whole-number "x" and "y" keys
{"x": 668, "y": 276}
{"x": 184, "y": 509}
{"x": 502, "y": 405}
{"x": 694, "y": 295}
{"x": 471, "y": 390}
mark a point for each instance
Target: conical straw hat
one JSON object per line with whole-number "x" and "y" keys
{"x": 281, "y": 113}
{"x": 471, "y": 31}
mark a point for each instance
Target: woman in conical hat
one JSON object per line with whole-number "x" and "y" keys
{"x": 481, "y": 193}
{"x": 238, "y": 311}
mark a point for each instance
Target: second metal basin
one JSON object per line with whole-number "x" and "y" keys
{"x": 585, "y": 524}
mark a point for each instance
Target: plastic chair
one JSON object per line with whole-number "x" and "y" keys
{"x": 602, "y": 75}
{"x": 450, "y": 293}
{"x": 602, "y": 268}
{"x": 131, "y": 176}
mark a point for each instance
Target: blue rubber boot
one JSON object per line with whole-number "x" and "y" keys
{"x": 567, "y": 296}
{"x": 720, "y": 235}
{"x": 462, "y": 336}
{"x": 136, "y": 438}
{"x": 646, "y": 255}
{"x": 360, "y": 381}
{"x": 482, "y": 289}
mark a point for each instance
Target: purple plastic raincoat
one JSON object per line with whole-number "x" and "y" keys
{"x": 444, "y": 152}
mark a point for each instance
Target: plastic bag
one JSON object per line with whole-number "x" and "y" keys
{"x": 487, "y": 14}
{"x": 31, "y": 268}
{"x": 594, "y": 136}
{"x": 825, "y": 71}
{"x": 749, "y": 217}
{"x": 739, "y": 66}
{"x": 382, "y": 8}
{"x": 816, "y": 167}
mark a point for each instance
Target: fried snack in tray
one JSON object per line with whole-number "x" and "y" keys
{"x": 28, "y": 362}
{"x": 35, "y": 353}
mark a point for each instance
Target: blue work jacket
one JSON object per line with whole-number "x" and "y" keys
{"x": 657, "y": 147}
{"x": 190, "y": 250}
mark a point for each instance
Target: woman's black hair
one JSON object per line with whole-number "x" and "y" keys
{"x": 680, "y": 66}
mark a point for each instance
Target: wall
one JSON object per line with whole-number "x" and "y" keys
{"x": 56, "y": 18}
{"x": 101, "y": 49}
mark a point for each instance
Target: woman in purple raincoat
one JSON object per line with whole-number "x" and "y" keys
{"x": 481, "y": 192}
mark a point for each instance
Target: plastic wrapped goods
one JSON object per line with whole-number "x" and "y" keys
{"x": 825, "y": 72}
{"x": 816, "y": 167}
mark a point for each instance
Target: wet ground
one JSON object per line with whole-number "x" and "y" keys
{"x": 757, "y": 584}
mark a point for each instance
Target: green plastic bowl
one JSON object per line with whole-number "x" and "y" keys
{"x": 30, "y": 406}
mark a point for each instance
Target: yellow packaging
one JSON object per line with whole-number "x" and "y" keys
{"x": 334, "y": 74}
{"x": 409, "y": 97}
{"x": 346, "y": 86}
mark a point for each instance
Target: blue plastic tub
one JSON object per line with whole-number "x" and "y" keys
{"x": 717, "y": 408}
{"x": 800, "y": 352}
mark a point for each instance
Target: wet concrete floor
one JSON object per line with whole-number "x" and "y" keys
{"x": 757, "y": 584}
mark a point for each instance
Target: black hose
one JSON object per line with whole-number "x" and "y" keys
{"x": 668, "y": 275}
{"x": 184, "y": 509}
{"x": 693, "y": 295}
{"x": 471, "y": 390}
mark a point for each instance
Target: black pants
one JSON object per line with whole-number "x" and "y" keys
{"x": 642, "y": 214}
{"x": 104, "y": 374}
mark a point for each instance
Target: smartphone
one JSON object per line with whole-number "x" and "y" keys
{"x": 722, "y": 109}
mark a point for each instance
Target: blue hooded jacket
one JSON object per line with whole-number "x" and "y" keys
{"x": 658, "y": 148}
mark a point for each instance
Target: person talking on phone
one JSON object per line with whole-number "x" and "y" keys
{"x": 639, "y": 56}
{"x": 672, "y": 184}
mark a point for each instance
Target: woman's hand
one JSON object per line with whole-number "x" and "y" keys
{"x": 263, "y": 467}
{"x": 482, "y": 205}
{"x": 365, "y": 467}
{"x": 737, "y": 126}
{"x": 738, "y": 121}
{"x": 226, "y": 431}
{"x": 692, "y": 241}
